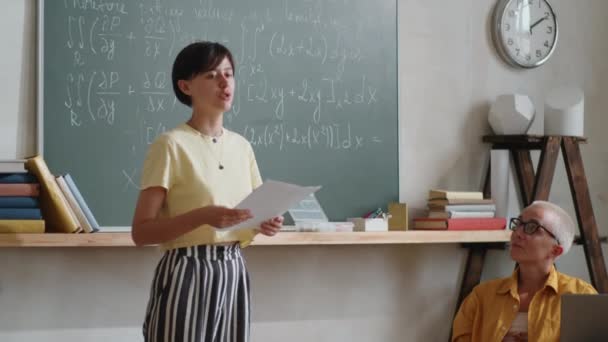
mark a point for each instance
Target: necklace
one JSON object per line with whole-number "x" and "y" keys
{"x": 212, "y": 148}
{"x": 219, "y": 140}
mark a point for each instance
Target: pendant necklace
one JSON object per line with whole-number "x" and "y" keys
{"x": 217, "y": 141}
{"x": 220, "y": 144}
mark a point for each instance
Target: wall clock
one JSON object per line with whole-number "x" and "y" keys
{"x": 524, "y": 32}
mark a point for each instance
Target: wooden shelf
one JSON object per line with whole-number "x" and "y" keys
{"x": 377, "y": 238}
{"x": 536, "y": 142}
{"x": 67, "y": 240}
{"x": 281, "y": 239}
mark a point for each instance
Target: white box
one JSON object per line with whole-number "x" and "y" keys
{"x": 369, "y": 224}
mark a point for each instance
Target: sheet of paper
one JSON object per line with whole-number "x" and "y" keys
{"x": 271, "y": 199}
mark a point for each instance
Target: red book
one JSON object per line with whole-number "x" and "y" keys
{"x": 494, "y": 223}
{"x": 20, "y": 189}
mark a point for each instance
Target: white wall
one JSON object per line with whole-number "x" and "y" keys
{"x": 18, "y": 86}
{"x": 448, "y": 73}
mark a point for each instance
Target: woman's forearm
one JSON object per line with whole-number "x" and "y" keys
{"x": 160, "y": 230}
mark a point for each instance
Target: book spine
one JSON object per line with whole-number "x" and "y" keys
{"x": 54, "y": 206}
{"x": 470, "y": 207}
{"x": 12, "y": 167}
{"x": 439, "y": 214}
{"x": 84, "y": 224}
{"x": 32, "y": 190}
{"x": 22, "y": 226}
{"x": 20, "y": 214}
{"x": 498, "y": 223}
{"x": 83, "y": 204}
{"x": 471, "y": 214}
{"x": 19, "y": 202}
{"x": 427, "y": 223}
{"x": 21, "y": 177}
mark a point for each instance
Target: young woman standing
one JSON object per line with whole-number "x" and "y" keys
{"x": 192, "y": 176}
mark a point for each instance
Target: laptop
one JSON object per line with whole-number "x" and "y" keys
{"x": 584, "y": 318}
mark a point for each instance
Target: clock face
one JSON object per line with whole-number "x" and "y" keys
{"x": 526, "y": 31}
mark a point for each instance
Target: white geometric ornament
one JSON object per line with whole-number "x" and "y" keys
{"x": 511, "y": 114}
{"x": 565, "y": 111}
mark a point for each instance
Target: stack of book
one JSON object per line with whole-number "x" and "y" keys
{"x": 19, "y": 203}
{"x": 460, "y": 210}
{"x": 63, "y": 207}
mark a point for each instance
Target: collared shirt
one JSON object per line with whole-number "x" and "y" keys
{"x": 198, "y": 170}
{"x": 489, "y": 311}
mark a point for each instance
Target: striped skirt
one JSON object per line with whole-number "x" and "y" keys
{"x": 201, "y": 294}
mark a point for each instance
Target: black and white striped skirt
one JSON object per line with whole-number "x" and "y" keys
{"x": 201, "y": 294}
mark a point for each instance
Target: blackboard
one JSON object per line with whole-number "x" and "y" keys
{"x": 316, "y": 92}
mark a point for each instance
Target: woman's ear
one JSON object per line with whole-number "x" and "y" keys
{"x": 557, "y": 251}
{"x": 184, "y": 86}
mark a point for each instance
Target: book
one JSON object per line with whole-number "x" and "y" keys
{"x": 12, "y": 166}
{"x": 83, "y": 204}
{"x": 497, "y": 223}
{"x": 22, "y": 226}
{"x": 461, "y": 214}
{"x": 439, "y": 201}
{"x": 463, "y": 207}
{"x": 78, "y": 213}
{"x": 20, "y": 190}
{"x": 55, "y": 209}
{"x": 398, "y": 216}
{"x": 17, "y": 177}
{"x": 446, "y": 194}
{"x": 20, "y": 214}
{"x": 19, "y": 202}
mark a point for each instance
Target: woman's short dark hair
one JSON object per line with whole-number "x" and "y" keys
{"x": 194, "y": 59}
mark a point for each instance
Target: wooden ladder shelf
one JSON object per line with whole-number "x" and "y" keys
{"x": 536, "y": 186}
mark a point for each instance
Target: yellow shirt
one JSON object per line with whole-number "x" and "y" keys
{"x": 186, "y": 163}
{"x": 488, "y": 312}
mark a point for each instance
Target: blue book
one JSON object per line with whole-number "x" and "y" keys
{"x": 20, "y": 214}
{"x": 19, "y": 202}
{"x": 81, "y": 202}
{"x": 20, "y": 177}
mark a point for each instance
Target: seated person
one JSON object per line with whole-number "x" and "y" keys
{"x": 526, "y": 305}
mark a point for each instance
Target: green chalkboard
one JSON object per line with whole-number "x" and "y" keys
{"x": 316, "y": 92}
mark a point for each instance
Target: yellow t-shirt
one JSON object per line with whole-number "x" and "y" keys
{"x": 187, "y": 164}
{"x": 489, "y": 311}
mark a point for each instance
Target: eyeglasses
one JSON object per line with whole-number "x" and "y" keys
{"x": 530, "y": 227}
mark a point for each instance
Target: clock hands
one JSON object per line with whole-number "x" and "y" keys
{"x": 536, "y": 23}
